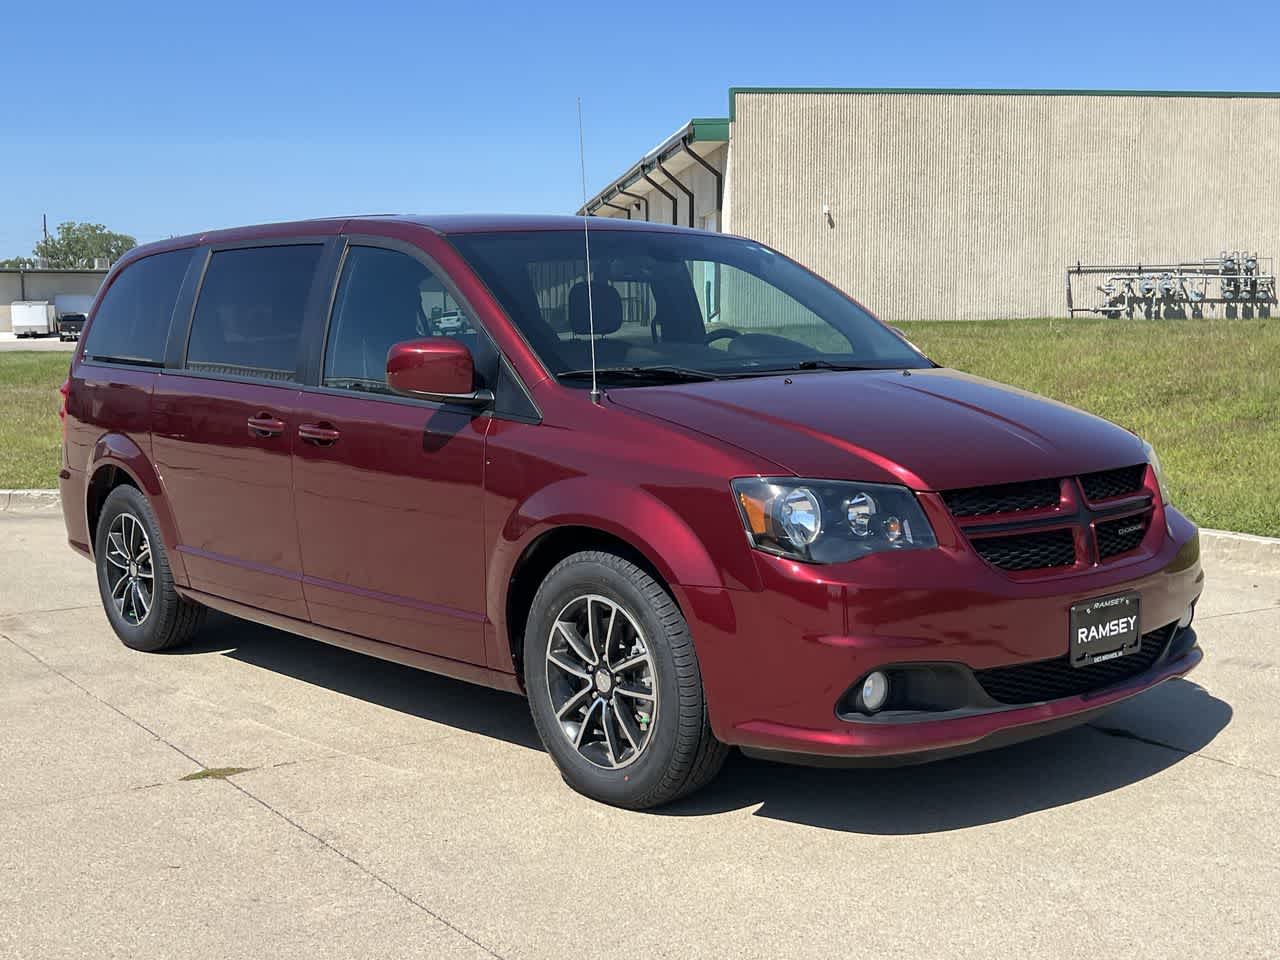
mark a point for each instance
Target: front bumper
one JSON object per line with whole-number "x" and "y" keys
{"x": 924, "y": 740}
{"x": 777, "y": 662}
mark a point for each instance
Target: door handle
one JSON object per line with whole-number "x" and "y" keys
{"x": 265, "y": 425}
{"x": 321, "y": 434}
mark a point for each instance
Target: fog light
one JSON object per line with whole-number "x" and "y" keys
{"x": 875, "y": 691}
{"x": 1186, "y": 617}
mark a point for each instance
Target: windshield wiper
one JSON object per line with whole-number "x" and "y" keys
{"x": 823, "y": 365}
{"x": 660, "y": 374}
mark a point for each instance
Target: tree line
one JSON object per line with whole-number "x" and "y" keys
{"x": 74, "y": 246}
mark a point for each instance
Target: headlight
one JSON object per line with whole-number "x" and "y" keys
{"x": 828, "y": 521}
{"x": 1155, "y": 467}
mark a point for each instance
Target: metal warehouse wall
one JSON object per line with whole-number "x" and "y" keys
{"x": 966, "y": 206}
{"x": 43, "y": 285}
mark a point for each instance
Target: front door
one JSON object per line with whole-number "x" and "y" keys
{"x": 223, "y": 426}
{"x": 388, "y": 490}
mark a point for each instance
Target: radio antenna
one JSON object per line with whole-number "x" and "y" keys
{"x": 586, "y": 242}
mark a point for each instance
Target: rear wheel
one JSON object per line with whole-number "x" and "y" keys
{"x": 134, "y": 578}
{"x": 614, "y": 684}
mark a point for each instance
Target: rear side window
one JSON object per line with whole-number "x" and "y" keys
{"x": 248, "y": 320}
{"x": 132, "y": 322}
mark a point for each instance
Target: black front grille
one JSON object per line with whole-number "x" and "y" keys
{"x": 1038, "y": 541}
{"x": 1028, "y": 551}
{"x": 1003, "y": 498}
{"x": 1121, "y": 536}
{"x": 1054, "y": 679}
{"x": 1113, "y": 483}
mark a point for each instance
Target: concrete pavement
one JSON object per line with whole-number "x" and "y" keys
{"x": 12, "y": 344}
{"x": 385, "y": 812}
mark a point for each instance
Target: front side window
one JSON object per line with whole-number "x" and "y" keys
{"x": 712, "y": 305}
{"x": 386, "y": 297}
{"x": 249, "y": 316}
{"x": 132, "y": 322}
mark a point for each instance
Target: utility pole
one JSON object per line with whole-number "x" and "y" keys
{"x": 44, "y": 225}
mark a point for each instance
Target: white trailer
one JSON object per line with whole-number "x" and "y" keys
{"x": 31, "y": 318}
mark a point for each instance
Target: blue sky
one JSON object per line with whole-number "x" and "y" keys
{"x": 175, "y": 117}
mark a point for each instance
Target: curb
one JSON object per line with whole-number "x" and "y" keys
{"x": 1243, "y": 549}
{"x": 1224, "y": 546}
{"x": 42, "y": 501}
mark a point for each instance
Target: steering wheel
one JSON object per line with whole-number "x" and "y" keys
{"x": 724, "y": 333}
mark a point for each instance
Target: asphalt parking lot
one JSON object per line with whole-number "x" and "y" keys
{"x": 385, "y": 812}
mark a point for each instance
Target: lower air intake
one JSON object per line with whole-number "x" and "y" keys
{"x": 1054, "y": 679}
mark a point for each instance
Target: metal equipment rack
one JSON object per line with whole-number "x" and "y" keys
{"x": 1244, "y": 284}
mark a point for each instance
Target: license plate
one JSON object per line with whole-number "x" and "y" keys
{"x": 1104, "y": 628}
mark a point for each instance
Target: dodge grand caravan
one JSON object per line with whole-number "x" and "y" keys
{"x": 689, "y": 498}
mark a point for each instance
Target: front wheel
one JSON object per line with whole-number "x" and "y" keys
{"x": 614, "y": 684}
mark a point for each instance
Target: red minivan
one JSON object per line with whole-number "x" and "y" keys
{"x": 673, "y": 487}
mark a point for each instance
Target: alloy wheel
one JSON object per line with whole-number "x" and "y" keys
{"x": 129, "y": 569}
{"x": 601, "y": 680}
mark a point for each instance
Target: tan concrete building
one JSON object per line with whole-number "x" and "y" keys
{"x": 970, "y": 204}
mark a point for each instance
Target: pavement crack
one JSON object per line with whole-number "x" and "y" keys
{"x": 1130, "y": 735}
{"x": 76, "y": 798}
{"x": 106, "y": 703}
{"x": 35, "y": 613}
{"x": 366, "y": 870}
{"x": 1239, "y": 613}
{"x": 1152, "y": 742}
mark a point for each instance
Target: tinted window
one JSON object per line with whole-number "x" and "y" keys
{"x": 385, "y": 297}
{"x": 132, "y": 322}
{"x": 553, "y": 282}
{"x": 758, "y": 307}
{"x": 714, "y": 303}
{"x": 249, "y": 316}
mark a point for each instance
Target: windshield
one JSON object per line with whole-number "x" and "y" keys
{"x": 671, "y": 305}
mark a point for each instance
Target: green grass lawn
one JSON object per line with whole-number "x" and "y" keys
{"x": 1206, "y": 393}
{"x": 30, "y": 434}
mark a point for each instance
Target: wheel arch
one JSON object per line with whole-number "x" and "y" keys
{"x": 117, "y": 459}
{"x": 628, "y": 522}
{"x": 538, "y": 559}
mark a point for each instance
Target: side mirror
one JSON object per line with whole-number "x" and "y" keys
{"x": 436, "y": 368}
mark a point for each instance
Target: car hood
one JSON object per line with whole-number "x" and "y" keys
{"x": 933, "y": 429}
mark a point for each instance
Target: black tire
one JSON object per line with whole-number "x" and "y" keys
{"x": 170, "y": 620}
{"x": 681, "y": 754}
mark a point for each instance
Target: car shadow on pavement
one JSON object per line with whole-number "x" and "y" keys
{"x": 1133, "y": 741}
{"x": 490, "y": 713}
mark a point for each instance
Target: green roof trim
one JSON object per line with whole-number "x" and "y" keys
{"x": 1000, "y": 92}
{"x": 708, "y": 128}
{"x": 699, "y": 129}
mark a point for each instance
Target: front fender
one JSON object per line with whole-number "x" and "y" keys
{"x": 633, "y": 515}
{"x": 123, "y": 453}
